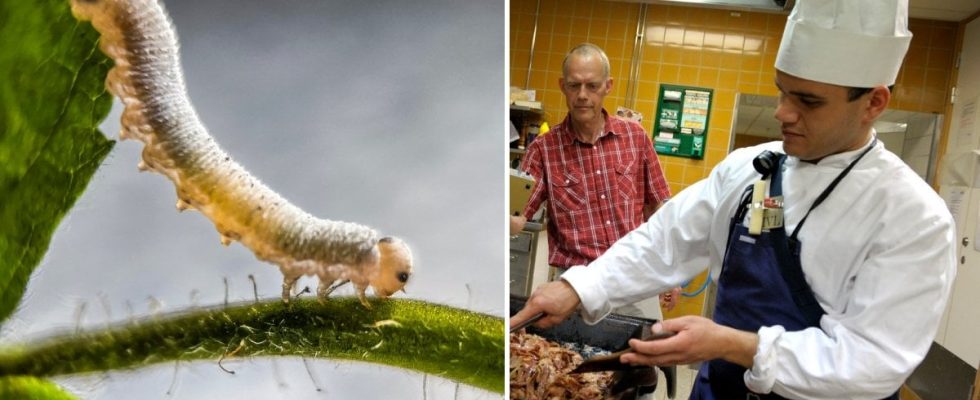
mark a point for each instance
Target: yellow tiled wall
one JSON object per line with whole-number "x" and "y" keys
{"x": 730, "y": 52}
{"x": 925, "y": 76}
{"x": 561, "y": 26}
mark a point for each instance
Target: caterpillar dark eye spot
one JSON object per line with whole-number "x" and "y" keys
{"x": 150, "y": 84}
{"x": 403, "y": 277}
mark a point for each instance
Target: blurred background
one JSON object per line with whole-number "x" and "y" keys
{"x": 383, "y": 113}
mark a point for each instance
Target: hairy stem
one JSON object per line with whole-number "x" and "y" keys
{"x": 456, "y": 344}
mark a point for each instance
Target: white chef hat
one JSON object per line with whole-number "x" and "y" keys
{"x": 856, "y": 43}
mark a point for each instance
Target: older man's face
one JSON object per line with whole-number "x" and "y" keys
{"x": 584, "y": 88}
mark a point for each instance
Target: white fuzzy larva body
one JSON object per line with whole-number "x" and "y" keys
{"x": 147, "y": 77}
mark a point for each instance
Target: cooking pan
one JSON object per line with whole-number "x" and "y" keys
{"x": 612, "y": 334}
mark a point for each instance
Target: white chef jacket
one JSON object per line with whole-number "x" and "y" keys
{"x": 878, "y": 253}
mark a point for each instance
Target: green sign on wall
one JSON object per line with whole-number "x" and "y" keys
{"x": 680, "y": 127}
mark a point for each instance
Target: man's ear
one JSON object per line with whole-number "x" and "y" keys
{"x": 877, "y": 103}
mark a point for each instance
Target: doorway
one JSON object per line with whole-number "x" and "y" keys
{"x": 913, "y": 136}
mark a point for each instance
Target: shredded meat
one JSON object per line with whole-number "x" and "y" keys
{"x": 539, "y": 369}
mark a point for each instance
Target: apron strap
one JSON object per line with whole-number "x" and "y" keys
{"x": 790, "y": 267}
{"x": 793, "y": 273}
{"x": 826, "y": 192}
{"x": 788, "y": 251}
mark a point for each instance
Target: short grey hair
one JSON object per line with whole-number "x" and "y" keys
{"x": 586, "y": 50}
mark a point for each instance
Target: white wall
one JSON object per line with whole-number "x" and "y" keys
{"x": 918, "y": 142}
{"x": 961, "y": 322}
{"x": 893, "y": 141}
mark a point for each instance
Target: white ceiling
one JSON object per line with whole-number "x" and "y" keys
{"x": 755, "y": 113}
{"x": 945, "y": 10}
{"x": 755, "y": 116}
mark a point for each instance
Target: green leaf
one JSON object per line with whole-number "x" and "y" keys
{"x": 52, "y": 99}
{"x": 31, "y": 388}
{"x": 456, "y": 344}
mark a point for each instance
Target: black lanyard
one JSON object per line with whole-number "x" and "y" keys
{"x": 826, "y": 192}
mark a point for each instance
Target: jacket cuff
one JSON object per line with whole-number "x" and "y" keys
{"x": 595, "y": 304}
{"x": 762, "y": 376}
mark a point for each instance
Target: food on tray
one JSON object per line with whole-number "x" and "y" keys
{"x": 539, "y": 369}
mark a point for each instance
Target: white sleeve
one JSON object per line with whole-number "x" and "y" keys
{"x": 669, "y": 249}
{"x": 869, "y": 349}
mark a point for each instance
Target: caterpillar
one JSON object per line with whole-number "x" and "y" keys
{"x": 138, "y": 36}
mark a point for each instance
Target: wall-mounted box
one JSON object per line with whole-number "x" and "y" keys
{"x": 680, "y": 126}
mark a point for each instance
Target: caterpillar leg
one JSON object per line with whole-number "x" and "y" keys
{"x": 183, "y": 205}
{"x": 324, "y": 290}
{"x": 360, "y": 288}
{"x": 288, "y": 280}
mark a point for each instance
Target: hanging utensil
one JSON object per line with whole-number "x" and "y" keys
{"x": 610, "y": 362}
{"x": 534, "y": 318}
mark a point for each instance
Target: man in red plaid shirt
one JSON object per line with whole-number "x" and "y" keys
{"x": 599, "y": 174}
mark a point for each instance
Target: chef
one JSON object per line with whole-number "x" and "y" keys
{"x": 833, "y": 259}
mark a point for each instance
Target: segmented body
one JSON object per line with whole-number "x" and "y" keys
{"x": 147, "y": 77}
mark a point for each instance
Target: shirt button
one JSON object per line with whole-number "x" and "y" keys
{"x": 608, "y": 223}
{"x": 602, "y": 196}
{"x": 597, "y": 172}
{"x": 566, "y": 180}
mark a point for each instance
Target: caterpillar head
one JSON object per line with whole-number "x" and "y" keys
{"x": 396, "y": 267}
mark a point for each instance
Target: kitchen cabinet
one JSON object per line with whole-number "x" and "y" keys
{"x": 523, "y": 252}
{"x": 527, "y": 121}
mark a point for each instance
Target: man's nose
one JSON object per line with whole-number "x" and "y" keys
{"x": 785, "y": 113}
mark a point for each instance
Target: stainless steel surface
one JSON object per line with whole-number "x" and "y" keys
{"x": 637, "y": 57}
{"x": 534, "y": 38}
{"x": 769, "y": 6}
{"x": 522, "y": 252}
{"x": 520, "y": 242}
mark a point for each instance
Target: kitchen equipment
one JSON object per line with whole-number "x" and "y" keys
{"x": 610, "y": 362}
{"x": 612, "y": 334}
{"x": 534, "y": 318}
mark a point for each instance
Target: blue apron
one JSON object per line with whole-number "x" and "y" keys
{"x": 761, "y": 284}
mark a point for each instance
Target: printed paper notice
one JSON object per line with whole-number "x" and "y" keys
{"x": 968, "y": 118}
{"x": 695, "y": 116}
{"x": 954, "y": 200}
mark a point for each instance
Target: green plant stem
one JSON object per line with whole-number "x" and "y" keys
{"x": 31, "y": 388}
{"x": 460, "y": 345}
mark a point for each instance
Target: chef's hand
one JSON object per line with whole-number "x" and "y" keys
{"x": 556, "y": 299}
{"x": 698, "y": 339}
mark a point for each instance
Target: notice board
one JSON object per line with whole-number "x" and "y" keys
{"x": 681, "y": 124}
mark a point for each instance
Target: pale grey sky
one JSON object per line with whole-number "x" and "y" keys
{"x": 388, "y": 113}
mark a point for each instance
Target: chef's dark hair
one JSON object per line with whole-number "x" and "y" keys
{"x": 854, "y": 92}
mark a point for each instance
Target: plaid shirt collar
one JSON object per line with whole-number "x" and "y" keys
{"x": 569, "y": 136}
